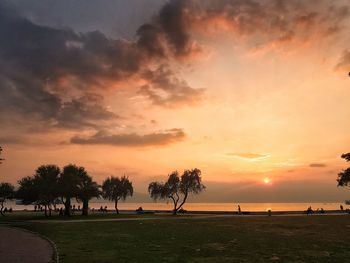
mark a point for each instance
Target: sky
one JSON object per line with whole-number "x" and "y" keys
{"x": 253, "y": 93}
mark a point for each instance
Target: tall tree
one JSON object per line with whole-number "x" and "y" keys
{"x": 46, "y": 180}
{"x": 28, "y": 191}
{"x": 344, "y": 176}
{"x": 69, "y": 185}
{"x": 177, "y": 188}
{"x": 115, "y": 189}
{"x": 87, "y": 189}
{"x": 7, "y": 192}
{"x": 41, "y": 188}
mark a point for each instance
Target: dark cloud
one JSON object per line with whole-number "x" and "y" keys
{"x": 85, "y": 111}
{"x": 164, "y": 88}
{"x": 317, "y": 165}
{"x": 38, "y": 63}
{"x": 169, "y": 31}
{"x": 44, "y": 68}
{"x": 273, "y": 21}
{"x": 133, "y": 139}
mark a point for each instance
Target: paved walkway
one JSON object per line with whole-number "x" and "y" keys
{"x": 23, "y": 247}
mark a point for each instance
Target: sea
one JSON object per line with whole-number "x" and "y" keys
{"x": 229, "y": 207}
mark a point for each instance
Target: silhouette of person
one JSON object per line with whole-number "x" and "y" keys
{"x": 341, "y": 207}
{"x": 239, "y": 210}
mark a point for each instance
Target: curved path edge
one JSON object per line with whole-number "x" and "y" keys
{"x": 55, "y": 254}
{"x": 54, "y": 257}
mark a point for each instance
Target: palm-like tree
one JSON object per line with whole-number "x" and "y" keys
{"x": 115, "y": 189}
{"x": 46, "y": 181}
{"x": 69, "y": 185}
{"x": 87, "y": 189}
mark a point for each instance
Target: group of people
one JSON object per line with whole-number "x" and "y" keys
{"x": 7, "y": 210}
{"x": 309, "y": 211}
{"x": 101, "y": 209}
{"x": 60, "y": 211}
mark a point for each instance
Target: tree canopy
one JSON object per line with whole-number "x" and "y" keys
{"x": 49, "y": 186}
{"x": 344, "y": 176}
{"x": 41, "y": 188}
{"x": 28, "y": 191}
{"x": 87, "y": 189}
{"x": 68, "y": 184}
{"x": 7, "y": 192}
{"x": 115, "y": 189}
{"x": 176, "y": 187}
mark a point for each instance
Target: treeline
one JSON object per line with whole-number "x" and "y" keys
{"x": 50, "y": 186}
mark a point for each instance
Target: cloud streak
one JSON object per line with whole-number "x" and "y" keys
{"x": 135, "y": 140}
{"x": 249, "y": 156}
{"x": 317, "y": 165}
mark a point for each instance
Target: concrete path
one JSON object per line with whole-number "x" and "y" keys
{"x": 23, "y": 247}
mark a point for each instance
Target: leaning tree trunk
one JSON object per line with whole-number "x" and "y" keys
{"x": 175, "y": 204}
{"x": 182, "y": 203}
{"x": 175, "y": 208}
{"x": 2, "y": 208}
{"x": 116, "y": 206}
{"x": 67, "y": 207}
{"x": 85, "y": 210}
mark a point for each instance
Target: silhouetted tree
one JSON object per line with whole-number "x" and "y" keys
{"x": 87, "y": 189}
{"x": 69, "y": 185}
{"x": 7, "y": 192}
{"x": 28, "y": 191}
{"x": 46, "y": 181}
{"x": 41, "y": 189}
{"x": 344, "y": 176}
{"x": 174, "y": 187}
{"x": 115, "y": 189}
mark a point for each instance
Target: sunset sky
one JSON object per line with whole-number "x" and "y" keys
{"x": 247, "y": 91}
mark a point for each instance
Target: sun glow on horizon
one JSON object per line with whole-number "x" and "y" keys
{"x": 267, "y": 181}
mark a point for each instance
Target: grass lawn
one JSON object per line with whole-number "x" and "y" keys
{"x": 229, "y": 239}
{"x": 29, "y": 215}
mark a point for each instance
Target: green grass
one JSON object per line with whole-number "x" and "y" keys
{"x": 180, "y": 239}
{"x": 29, "y": 215}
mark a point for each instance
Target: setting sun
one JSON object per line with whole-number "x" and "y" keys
{"x": 266, "y": 181}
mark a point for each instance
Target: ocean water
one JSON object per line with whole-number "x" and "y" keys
{"x": 251, "y": 207}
